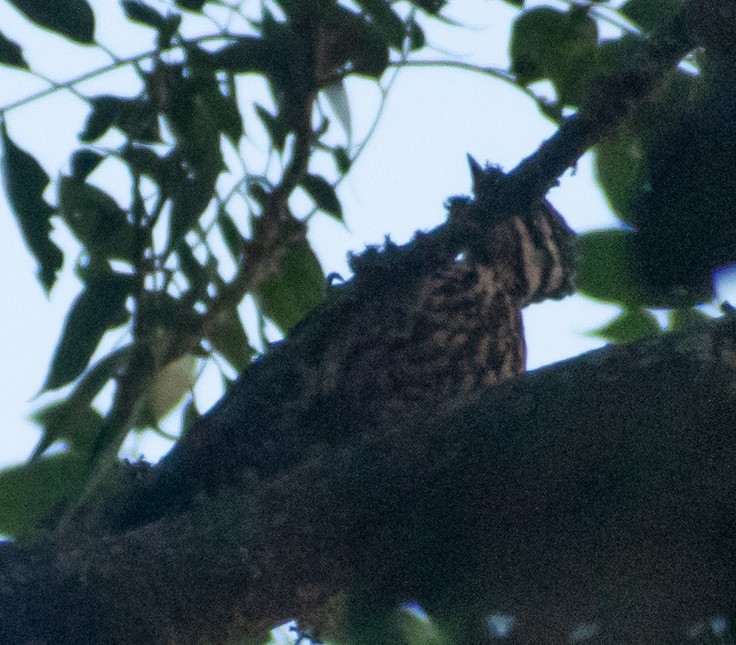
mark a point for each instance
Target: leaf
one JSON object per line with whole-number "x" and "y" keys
{"x": 299, "y": 284}
{"x": 11, "y": 53}
{"x": 551, "y": 44}
{"x": 276, "y": 128}
{"x": 96, "y": 219}
{"x": 141, "y": 12}
{"x": 84, "y": 161}
{"x": 28, "y": 493}
{"x": 70, "y": 18}
{"x": 323, "y": 195}
{"x": 629, "y": 326}
{"x": 650, "y": 14}
{"x": 69, "y": 420}
{"x": 337, "y": 97}
{"x": 621, "y": 170}
{"x": 612, "y": 269}
{"x": 134, "y": 117}
{"x": 25, "y": 182}
{"x": 230, "y": 233}
{"x": 191, "y": 5}
{"x": 167, "y": 390}
{"x": 248, "y": 54}
{"x": 342, "y": 159}
{"x": 385, "y": 21}
{"x": 605, "y": 267}
{"x": 229, "y": 339}
{"x": 100, "y": 306}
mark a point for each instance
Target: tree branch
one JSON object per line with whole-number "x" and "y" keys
{"x": 598, "y": 489}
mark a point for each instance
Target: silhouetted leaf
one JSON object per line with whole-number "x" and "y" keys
{"x": 11, "y": 53}
{"x": 70, "y": 18}
{"x": 228, "y": 338}
{"x": 29, "y": 492}
{"x": 25, "y": 182}
{"x": 629, "y": 326}
{"x": 62, "y": 420}
{"x": 84, "y": 161}
{"x": 342, "y": 159}
{"x": 134, "y": 117}
{"x": 248, "y": 54}
{"x": 230, "y": 233}
{"x": 605, "y": 268}
{"x": 386, "y": 21}
{"x": 100, "y": 306}
{"x": 621, "y": 169}
{"x": 141, "y": 12}
{"x": 555, "y": 45}
{"x": 323, "y": 195}
{"x": 276, "y": 128}
{"x": 295, "y": 289}
{"x": 96, "y": 219}
{"x": 191, "y": 5}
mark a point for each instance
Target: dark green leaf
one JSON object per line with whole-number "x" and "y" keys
{"x": 621, "y": 169}
{"x": 69, "y": 422}
{"x": 276, "y": 128}
{"x": 100, "y": 306}
{"x": 515, "y": 3}
{"x": 232, "y": 236}
{"x": 295, "y": 289}
{"x": 190, "y": 196}
{"x": 342, "y": 159}
{"x": 248, "y": 54}
{"x": 84, "y": 161}
{"x": 555, "y": 45}
{"x": 96, "y": 219}
{"x": 25, "y": 182}
{"x": 190, "y": 5}
{"x": 28, "y": 493}
{"x": 134, "y": 117}
{"x": 605, "y": 268}
{"x": 229, "y": 339}
{"x": 650, "y": 14}
{"x": 11, "y": 53}
{"x": 70, "y": 18}
{"x": 434, "y": 6}
{"x": 190, "y": 267}
{"x": 386, "y": 21}
{"x": 629, "y": 326}
{"x": 417, "y": 40}
{"x": 323, "y": 195}
{"x": 145, "y": 161}
{"x": 73, "y": 420}
{"x": 141, "y": 12}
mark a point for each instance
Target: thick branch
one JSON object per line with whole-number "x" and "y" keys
{"x": 599, "y": 489}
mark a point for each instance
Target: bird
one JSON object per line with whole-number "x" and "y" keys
{"x": 409, "y": 334}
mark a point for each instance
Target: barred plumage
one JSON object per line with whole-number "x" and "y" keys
{"x": 406, "y": 342}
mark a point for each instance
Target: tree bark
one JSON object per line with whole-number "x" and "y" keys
{"x": 596, "y": 491}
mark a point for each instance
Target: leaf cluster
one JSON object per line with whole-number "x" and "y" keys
{"x": 665, "y": 170}
{"x": 203, "y": 221}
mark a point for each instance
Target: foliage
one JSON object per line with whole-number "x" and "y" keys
{"x": 153, "y": 263}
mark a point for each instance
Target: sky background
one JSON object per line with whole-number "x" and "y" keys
{"x": 415, "y": 160}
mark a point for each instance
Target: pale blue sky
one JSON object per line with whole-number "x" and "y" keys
{"x": 415, "y": 160}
